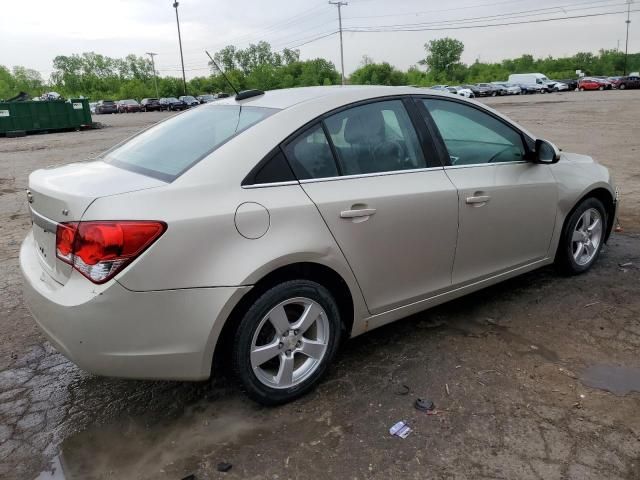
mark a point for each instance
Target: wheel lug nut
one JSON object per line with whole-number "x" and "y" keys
{"x": 295, "y": 332}
{"x": 280, "y": 345}
{"x": 298, "y": 344}
{"x": 288, "y": 352}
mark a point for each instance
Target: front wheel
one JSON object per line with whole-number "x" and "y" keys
{"x": 285, "y": 341}
{"x": 582, "y": 237}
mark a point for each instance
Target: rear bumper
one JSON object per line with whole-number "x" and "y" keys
{"x": 109, "y": 330}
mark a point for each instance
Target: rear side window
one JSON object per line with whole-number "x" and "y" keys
{"x": 168, "y": 149}
{"x": 376, "y": 137}
{"x": 310, "y": 155}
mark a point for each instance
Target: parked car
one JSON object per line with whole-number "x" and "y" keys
{"x": 509, "y": 88}
{"x": 128, "y": 106}
{"x": 591, "y": 83}
{"x": 106, "y": 106}
{"x": 92, "y": 106}
{"x": 263, "y": 238}
{"x": 208, "y": 98}
{"x": 622, "y": 83}
{"x": 572, "y": 84}
{"x": 474, "y": 89}
{"x": 172, "y": 103}
{"x": 463, "y": 92}
{"x": 439, "y": 87}
{"x": 557, "y": 86}
{"x": 189, "y": 101}
{"x": 529, "y": 88}
{"x": 486, "y": 90}
{"x": 150, "y": 105}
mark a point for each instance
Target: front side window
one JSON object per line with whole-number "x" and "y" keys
{"x": 472, "y": 136}
{"x": 168, "y": 149}
{"x": 376, "y": 137}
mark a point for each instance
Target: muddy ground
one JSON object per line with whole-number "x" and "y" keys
{"x": 518, "y": 372}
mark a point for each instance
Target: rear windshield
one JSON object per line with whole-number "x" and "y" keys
{"x": 170, "y": 148}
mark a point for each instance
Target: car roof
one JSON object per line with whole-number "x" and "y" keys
{"x": 288, "y": 97}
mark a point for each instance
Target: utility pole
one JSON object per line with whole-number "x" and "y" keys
{"x": 153, "y": 64}
{"x": 340, "y": 4}
{"x": 184, "y": 78}
{"x": 626, "y": 48}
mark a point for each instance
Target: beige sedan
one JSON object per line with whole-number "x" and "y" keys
{"x": 263, "y": 229}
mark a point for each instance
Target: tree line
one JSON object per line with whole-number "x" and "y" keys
{"x": 97, "y": 76}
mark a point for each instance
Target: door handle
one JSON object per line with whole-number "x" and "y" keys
{"x": 475, "y": 200}
{"x": 357, "y": 213}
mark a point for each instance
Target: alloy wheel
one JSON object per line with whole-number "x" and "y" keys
{"x": 290, "y": 343}
{"x": 587, "y": 236}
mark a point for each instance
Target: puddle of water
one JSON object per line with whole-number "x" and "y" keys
{"x": 616, "y": 379}
{"x": 54, "y": 472}
{"x": 137, "y": 448}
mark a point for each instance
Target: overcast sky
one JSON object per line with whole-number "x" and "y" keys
{"x": 32, "y": 32}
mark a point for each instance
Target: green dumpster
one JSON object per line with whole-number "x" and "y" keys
{"x": 33, "y": 116}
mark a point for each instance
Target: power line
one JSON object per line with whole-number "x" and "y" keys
{"x": 444, "y": 10}
{"x": 466, "y": 27}
{"x": 502, "y": 16}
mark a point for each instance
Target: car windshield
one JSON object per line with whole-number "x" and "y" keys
{"x": 172, "y": 99}
{"x": 188, "y": 98}
{"x": 207, "y": 97}
{"x": 170, "y": 148}
{"x": 130, "y": 102}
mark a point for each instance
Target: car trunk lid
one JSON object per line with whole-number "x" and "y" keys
{"x": 62, "y": 194}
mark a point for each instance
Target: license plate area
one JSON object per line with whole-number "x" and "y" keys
{"x": 44, "y": 234}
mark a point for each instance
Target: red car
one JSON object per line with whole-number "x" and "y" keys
{"x": 128, "y": 106}
{"x": 623, "y": 83}
{"x": 593, "y": 84}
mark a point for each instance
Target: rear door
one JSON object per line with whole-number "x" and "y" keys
{"x": 507, "y": 205}
{"x": 385, "y": 197}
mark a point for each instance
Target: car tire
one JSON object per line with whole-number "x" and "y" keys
{"x": 274, "y": 381}
{"x": 581, "y": 89}
{"x": 622, "y": 86}
{"x": 582, "y": 237}
{"x": 601, "y": 88}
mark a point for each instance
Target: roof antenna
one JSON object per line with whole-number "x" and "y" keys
{"x": 239, "y": 95}
{"x": 222, "y": 72}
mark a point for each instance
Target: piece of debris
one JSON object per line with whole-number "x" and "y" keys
{"x": 400, "y": 429}
{"x": 424, "y": 405}
{"x": 591, "y": 304}
{"x": 491, "y": 321}
{"x": 403, "y": 390}
{"x": 533, "y": 347}
{"x": 627, "y": 264}
{"x": 224, "y": 467}
{"x": 190, "y": 477}
{"x": 446, "y": 387}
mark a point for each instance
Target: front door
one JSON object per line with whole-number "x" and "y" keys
{"x": 507, "y": 205}
{"x": 392, "y": 212}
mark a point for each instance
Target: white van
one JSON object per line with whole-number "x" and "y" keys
{"x": 529, "y": 79}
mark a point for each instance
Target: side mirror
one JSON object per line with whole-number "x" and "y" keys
{"x": 546, "y": 152}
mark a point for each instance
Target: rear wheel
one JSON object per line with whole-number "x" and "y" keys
{"x": 622, "y": 86}
{"x": 286, "y": 340}
{"x": 601, "y": 88}
{"x": 581, "y": 89}
{"x": 582, "y": 237}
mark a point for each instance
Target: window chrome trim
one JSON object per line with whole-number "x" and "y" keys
{"x": 494, "y": 164}
{"x": 272, "y": 184}
{"x": 368, "y": 175}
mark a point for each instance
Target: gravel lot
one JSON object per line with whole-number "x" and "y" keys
{"x": 513, "y": 370}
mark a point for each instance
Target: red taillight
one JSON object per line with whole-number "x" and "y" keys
{"x": 99, "y": 250}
